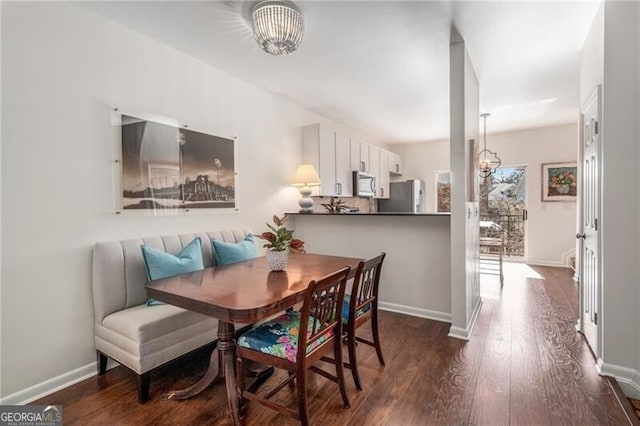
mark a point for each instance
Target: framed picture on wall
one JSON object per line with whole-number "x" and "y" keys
{"x": 443, "y": 191}
{"x": 166, "y": 168}
{"x": 559, "y": 181}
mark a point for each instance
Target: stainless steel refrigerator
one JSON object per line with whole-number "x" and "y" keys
{"x": 404, "y": 197}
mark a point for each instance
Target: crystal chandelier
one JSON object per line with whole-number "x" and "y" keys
{"x": 488, "y": 161}
{"x": 278, "y": 26}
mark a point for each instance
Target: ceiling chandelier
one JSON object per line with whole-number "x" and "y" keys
{"x": 488, "y": 161}
{"x": 278, "y": 26}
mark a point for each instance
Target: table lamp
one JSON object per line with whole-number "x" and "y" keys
{"x": 306, "y": 177}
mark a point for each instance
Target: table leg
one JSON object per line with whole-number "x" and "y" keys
{"x": 213, "y": 373}
{"x": 227, "y": 348}
{"x": 222, "y": 365}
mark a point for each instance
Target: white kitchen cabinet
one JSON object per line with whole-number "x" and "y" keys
{"x": 365, "y": 157}
{"x": 395, "y": 164}
{"x": 319, "y": 150}
{"x": 356, "y": 164}
{"x": 374, "y": 167}
{"x": 384, "y": 179}
{"x": 360, "y": 156}
{"x": 335, "y": 156}
{"x": 329, "y": 152}
{"x": 344, "y": 180}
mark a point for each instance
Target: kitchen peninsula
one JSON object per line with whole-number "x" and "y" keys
{"x": 416, "y": 276}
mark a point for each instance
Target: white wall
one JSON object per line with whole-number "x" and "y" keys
{"x": 592, "y": 57}
{"x": 620, "y": 188}
{"x": 0, "y": 196}
{"x": 415, "y": 276}
{"x": 637, "y": 367}
{"x": 464, "y": 112}
{"x": 63, "y": 69}
{"x": 551, "y": 226}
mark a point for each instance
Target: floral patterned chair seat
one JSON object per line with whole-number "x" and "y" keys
{"x": 279, "y": 336}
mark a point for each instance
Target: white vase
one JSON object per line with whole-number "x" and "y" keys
{"x": 277, "y": 260}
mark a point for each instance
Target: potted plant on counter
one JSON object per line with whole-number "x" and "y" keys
{"x": 280, "y": 242}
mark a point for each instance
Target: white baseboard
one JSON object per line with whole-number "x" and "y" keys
{"x": 627, "y": 378}
{"x": 416, "y": 312}
{"x": 47, "y": 387}
{"x": 465, "y": 333}
{"x": 566, "y": 257}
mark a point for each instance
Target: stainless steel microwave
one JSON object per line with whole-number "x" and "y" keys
{"x": 364, "y": 185}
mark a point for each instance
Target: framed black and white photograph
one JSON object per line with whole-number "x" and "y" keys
{"x": 166, "y": 167}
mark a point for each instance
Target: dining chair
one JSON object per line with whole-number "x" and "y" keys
{"x": 360, "y": 306}
{"x": 295, "y": 341}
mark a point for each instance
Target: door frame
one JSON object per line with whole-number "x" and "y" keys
{"x": 597, "y": 93}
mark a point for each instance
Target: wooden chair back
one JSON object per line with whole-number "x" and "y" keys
{"x": 323, "y": 305}
{"x": 365, "y": 285}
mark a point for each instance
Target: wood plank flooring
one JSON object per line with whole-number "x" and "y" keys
{"x": 525, "y": 365}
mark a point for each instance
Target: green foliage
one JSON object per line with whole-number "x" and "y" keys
{"x": 335, "y": 206}
{"x": 279, "y": 238}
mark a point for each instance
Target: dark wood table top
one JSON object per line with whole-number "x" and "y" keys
{"x": 247, "y": 291}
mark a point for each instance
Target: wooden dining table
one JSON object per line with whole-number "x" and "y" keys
{"x": 241, "y": 293}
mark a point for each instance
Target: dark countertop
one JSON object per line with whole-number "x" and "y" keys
{"x": 369, "y": 214}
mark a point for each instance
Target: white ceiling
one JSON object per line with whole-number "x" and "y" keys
{"x": 382, "y": 67}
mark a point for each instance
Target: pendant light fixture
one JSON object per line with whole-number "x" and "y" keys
{"x": 488, "y": 161}
{"x": 278, "y": 26}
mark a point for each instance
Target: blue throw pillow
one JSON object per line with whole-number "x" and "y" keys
{"x": 227, "y": 253}
{"x": 160, "y": 264}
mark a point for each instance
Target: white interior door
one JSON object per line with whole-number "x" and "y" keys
{"x": 589, "y": 214}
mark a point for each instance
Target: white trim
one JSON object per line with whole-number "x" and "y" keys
{"x": 628, "y": 378}
{"x": 566, "y": 257}
{"x": 49, "y": 386}
{"x": 534, "y": 262}
{"x": 547, "y": 263}
{"x": 465, "y": 333}
{"x": 416, "y": 312}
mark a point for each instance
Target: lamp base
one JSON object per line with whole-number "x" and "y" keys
{"x": 306, "y": 202}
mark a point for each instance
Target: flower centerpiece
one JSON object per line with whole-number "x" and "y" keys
{"x": 279, "y": 242}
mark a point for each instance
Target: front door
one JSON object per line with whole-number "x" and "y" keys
{"x": 589, "y": 215}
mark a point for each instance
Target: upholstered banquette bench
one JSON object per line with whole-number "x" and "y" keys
{"x": 139, "y": 336}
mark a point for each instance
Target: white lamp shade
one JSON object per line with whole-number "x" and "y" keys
{"x": 306, "y": 175}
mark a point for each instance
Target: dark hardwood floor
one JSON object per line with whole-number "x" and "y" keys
{"x": 525, "y": 365}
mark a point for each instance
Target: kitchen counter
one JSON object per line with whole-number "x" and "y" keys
{"x": 416, "y": 275}
{"x": 369, "y": 214}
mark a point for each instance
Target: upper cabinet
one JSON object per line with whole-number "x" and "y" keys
{"x": 344, "y": 180}
{"x": 374, "y": 166}
{"x": 356, "y": 160}
{"x": 328, "y": 151}
{"x": 395, "y": 164}
{"x": 384, "y": 179}
{"x": 360, "y": 158}
{"x": 335, "y": 156}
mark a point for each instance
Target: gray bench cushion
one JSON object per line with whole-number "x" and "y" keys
{"x": 139, "y": 336}
{"x": 144, "y": 337}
